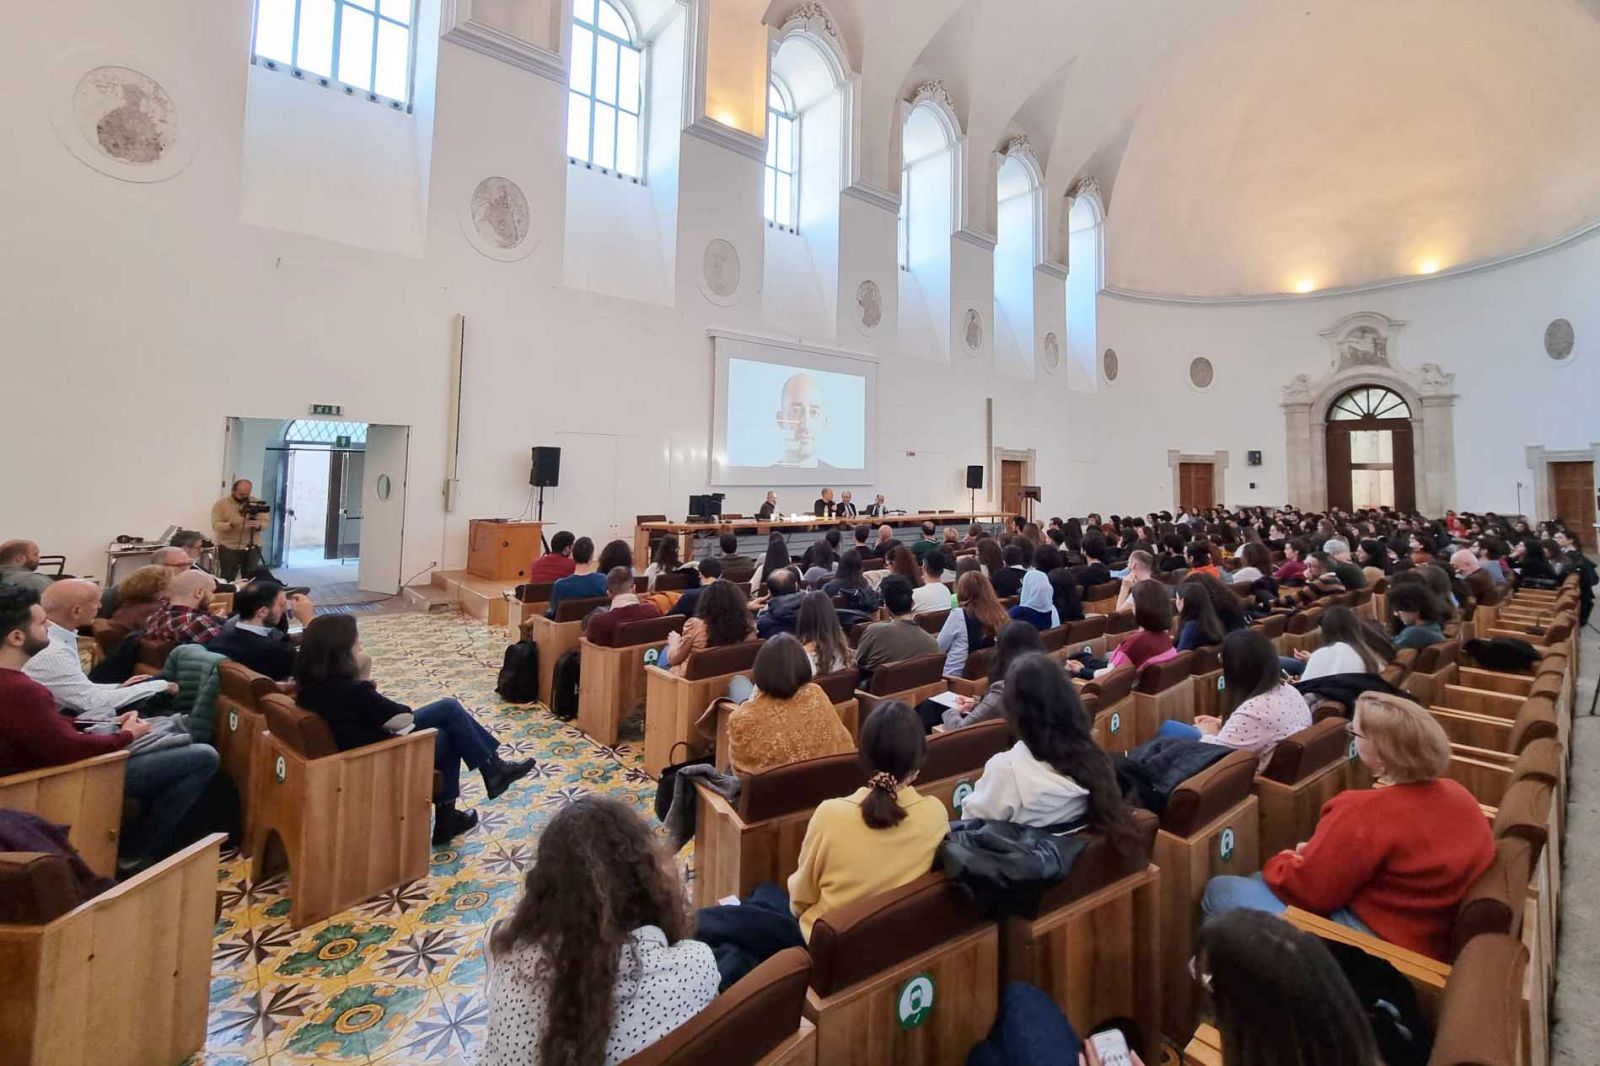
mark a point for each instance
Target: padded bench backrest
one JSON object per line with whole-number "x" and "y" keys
{"x": 1436, "y": 657}
{"x": 870, "y": 935}
{"x": 798, "y": 786}
{"x": 241, "y": 684}
{"x": 1158, "y": 677}
{"x": 726, "y": 659}
{"x": 1496, "y": 901}
{"x": 1525, "y": 812}
{"x": 647, "y": 631}
{"x": 1113, "y": 687}
{"x": 1083, "y": 630}
{"x": 1099, "y": 864}
{"x": 1536, "y": 720}
{"x": 1103, "y": 591}
{"x": 574, "y": 610}
{"x": 1300, "y": 755}
{"x": 301, "y": 731}
{"x": 964, "y": 751}
{"x": 907, "y": 674}
{"x": 1480, "y": 1016}
{"x": 676, "y": 581}
{"x": 1272, "y": 626}
{"x": 1199, "y": 800}
{"x": 539, "y": 593}
{"x": 979, "y": 664}
{"x": 759, "y": 1012}
{"x": 839, "y": 685}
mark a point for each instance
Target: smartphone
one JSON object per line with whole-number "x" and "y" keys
{"x": 1112, "y": 1048}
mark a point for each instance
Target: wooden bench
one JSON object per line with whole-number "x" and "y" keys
{"x": 85, "y": 796}
{"x": 1305, "y": 771}
{"x": 673, "y": 704}
{"x": 1163, "y": 691}
{"x": 1114, "y": 728}
{"x": 758, "y": 1021}
{"x": 240, "y": 724}
{"x": 611, "y": 679}
{"x": 910, "y": 681}
{"x": 840, "y": 690}
{"x": 349, "y": 824}
{"x": 558, "y": 635}
{"x": 122, "y": 978}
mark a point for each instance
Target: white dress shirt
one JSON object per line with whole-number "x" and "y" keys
{"x": 59, "y": 669}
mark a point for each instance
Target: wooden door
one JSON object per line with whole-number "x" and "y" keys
{"x": 1195, "y": 487}
{"x": 1011, "y": 486}
{"x": 1572, "y": 492}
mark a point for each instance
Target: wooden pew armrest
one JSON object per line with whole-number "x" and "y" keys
{"x": 1417, "y": 968}
{"x": 207, "y": 850}
{"x": 30, "y": 776}
{"x": 718, "y": 804}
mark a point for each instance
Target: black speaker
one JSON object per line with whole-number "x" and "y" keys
{"x": 546, "y": 472}
{"x": 974, "y": 477}
{"x": 1252, "y": 458}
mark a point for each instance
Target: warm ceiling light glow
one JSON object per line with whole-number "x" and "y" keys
{"x": 724, "y": 117}
{"x": 1305, "y": 285}
{"x": 1429, "y": 266}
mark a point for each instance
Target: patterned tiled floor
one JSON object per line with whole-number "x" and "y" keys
{"x": 399, "y": 980}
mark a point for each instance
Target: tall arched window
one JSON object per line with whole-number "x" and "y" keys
{"x": 929, "y": 140}
{"x": 606, "y": 83}
{"x": 1085, "y": 263}
{"x": 780, "y": 198}
{"x": 1015, "y": 255}
{"x": 364, "y": 45}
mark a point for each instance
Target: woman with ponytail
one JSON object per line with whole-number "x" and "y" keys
{"x": 879, "y": 837}
{"x": 595, "y": 964}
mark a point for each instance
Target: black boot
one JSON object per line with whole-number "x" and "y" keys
{"x": 498, "y": 775}
{"x": 449, "y": 823}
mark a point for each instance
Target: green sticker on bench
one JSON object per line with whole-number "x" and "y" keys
{"x": 1116, "y": 722}
{"x": 280, "y": 770}
{"x": 1222, "y": 682}
{"x": 914, "y": 1002}
{"x": 1353, "y": 753}
{"x": 233, "y": 719}
{"x": 959, "y": 796}
{"x": 651, "y": 656}
{"x": 1226, "y": 844}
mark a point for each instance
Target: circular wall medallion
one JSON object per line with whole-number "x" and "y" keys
{"x": 1201, "y": 373}
{"x": 1558, "y": 339}
{"x": 972, "y": 330}
{"x": 869, "y": 307}
{"x": 1052, "y": 351}
{"x": 719, "y": 271}
{"x": 1109, "y": 365}
{"x": 497, "y": 221}
{"x": 121, "y": 117}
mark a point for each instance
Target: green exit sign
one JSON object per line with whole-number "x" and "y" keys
{"x": 341, "y": 442}
{"x": 326, "y": 409}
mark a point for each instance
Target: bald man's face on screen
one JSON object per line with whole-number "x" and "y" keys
{"x": 802, "y": 419}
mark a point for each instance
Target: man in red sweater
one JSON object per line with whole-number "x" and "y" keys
{"x": 34, "y": 736}
{"x": 625, "y": 607}
{"x": 554, "y": 564}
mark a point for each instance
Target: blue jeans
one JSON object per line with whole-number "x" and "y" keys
{"x": 1030, "y": 1030}
{"x": 166, "y": 784}
{"x": 1181, "y": 730}
{"x": 461, "y": 740}
{"x": 1291, "y": 666}
{"x": 1229, "y": 893}
{"x": 740, "y": 688}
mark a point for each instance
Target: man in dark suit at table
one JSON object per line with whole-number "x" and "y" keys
{"x": 876, "y": 508}
{"x": 824, "y": 507}
{"x": 766, "y": 509}
{"x": 845, "y": 509}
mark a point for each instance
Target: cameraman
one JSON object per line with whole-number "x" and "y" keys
{"x": 237, "y": 520}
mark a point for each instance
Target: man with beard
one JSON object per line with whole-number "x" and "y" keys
{"x": 19, "y": 566}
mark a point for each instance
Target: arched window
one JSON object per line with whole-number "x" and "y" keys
{"x": 1085, "y": 263}
{"x": 316, "y": 431}
{"x": 781, "y": 199}
{"x": 1371, "y": 401}
{"x": 364, "y": 45}
{"x": 1015, "y": 256}
{"x": 606, "y": 82}
{"x": 930, "y": 139}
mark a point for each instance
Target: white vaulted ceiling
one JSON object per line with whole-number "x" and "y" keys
{"x": 1259, "y": 146}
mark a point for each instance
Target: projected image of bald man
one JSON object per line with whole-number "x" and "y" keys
{"x": 802, "y": 417}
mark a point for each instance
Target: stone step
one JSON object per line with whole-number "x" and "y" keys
{"x": 430, "y": 598}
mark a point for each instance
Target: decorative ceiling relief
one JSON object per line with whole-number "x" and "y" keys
{"x": 121, "y": 120}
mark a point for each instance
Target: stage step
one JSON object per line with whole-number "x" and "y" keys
{"x": 428, "y": 598}
{"x": 477, "y": 597}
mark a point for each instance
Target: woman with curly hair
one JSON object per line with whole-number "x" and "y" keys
{"x": 721, "y": 616}
{"x": 595, "y": 964}
{"x": 139, "y": 596}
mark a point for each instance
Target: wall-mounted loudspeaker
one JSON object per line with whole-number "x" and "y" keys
{"x": 975, "y": 477}
{"x": 546, "y": 472}
{"x": 1253, "y": 458}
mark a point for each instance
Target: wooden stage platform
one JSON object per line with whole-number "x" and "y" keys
{"x": 478, "y": 597}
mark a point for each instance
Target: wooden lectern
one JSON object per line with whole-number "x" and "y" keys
{"x": 502, "y": 551}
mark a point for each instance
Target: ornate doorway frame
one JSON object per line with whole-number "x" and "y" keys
{"x": 1361, "y": 349}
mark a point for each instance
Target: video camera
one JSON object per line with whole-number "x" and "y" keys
{"x": 252, "y": 507}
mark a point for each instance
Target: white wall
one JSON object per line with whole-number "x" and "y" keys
{"x": 146, "y": 314}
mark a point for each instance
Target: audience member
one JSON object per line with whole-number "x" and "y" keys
{"x": 556, "y": 563}
{"x": 1476, "y": 581}
{"x": 885, "y": 542}
{"x": 1198, "y": 553}
{"x": 708, "y": 571}
{"x": 1257, "y": 564}
{"x": 881, "y": 836}
{"x": 769, "y": 562}
{"x": 1150, "y": 645}
{"x": 70, "y": 605}
{"x": 1016, "y": 639}
{"x": 993, "y": 560}
{"x": 665, "y": 562}
{"x": 584, "y": 583}
{"x": 818, "y": 630}
{"x": 595, "y": 962}
{"x": 34, "y": 736}
{"x": 1007, "y": 581}
{"x": 1293, "y": 568}
{"x": 616, "y": 553}
{"x": 1037, "y": 605}
{"x": 927, "y": 543}
{"x": 1394, "y": 861}
{"x": 252, "y": 637}
{"x": 1348, "y": 647}
{"x": 237, "y": 531}
{"x": 1278, "y": 996}
{"x": 139, "y": 595}
{"x": 328, "y": 683}
{"x": 933, "y": 594}
{"x": 1198, "y": 624}
{"x": 721, "y": 617}
{"x": 626, "y": 606}
{"x": 1095, "y": 571}
{"x": 1351, "y": 576}
{"x": 786, "y": 718}
{"x": 730, "y": 558}
{"x": 899, "y": 638}
{"x": 972, "y": 625}
{"x": 1260, "y": 707}
{"x": 19, "y": 566}
{"x": 850, "y": 584}
{"x": 185, "y": 614}
{"x": 780, "y": 608}
{"x": 1054, "y": 775}
{"x": 1141, "y": 567}
{"x": 1420, "y": 615}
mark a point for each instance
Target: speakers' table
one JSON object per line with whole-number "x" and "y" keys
{"x": 687, "y": 531}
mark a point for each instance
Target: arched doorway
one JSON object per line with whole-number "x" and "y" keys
{"x": 1371, "y": 460}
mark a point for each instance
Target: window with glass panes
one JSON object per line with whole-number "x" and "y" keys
{"x": 780, "y": 202}
{"x": 905, "y": 219}
{"x": 606, "y": 86}
{"x": 363, "y": 45}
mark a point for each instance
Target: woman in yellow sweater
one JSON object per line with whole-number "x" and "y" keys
{"x": 879, "y": 837}
{"x": 788, "y": 718}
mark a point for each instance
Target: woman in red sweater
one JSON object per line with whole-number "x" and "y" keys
{"x": 1394, "y": 860}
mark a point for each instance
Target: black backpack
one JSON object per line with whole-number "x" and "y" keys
{"x": 564, "y": 686}
{"x": 519, "y": 673}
